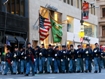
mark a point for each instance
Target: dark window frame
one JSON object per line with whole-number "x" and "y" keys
{"x": 103, "y": 12}
{"x": 72, "y": 2}
{"x": 103, "y": 31}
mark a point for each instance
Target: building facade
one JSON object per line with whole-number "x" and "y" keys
{"x": 101, "y": 19}
{"x": 13, "y": 22}
{"x": 69, "y": 14}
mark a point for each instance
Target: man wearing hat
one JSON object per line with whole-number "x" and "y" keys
{"x": 29, "y": 60}
{"x": 8, "y": 59}
{"x": 72, "y": 56}
{"x": 16, "y": 61}
{"x": 22, "y": 60}
{"x": 79, "y": 63}
{"x": 64, "y": 65}
{"x": 36, "y": 56}
{"x": 57, "y": 58}
{"x": 42, "y": 57}
{"x": 97, "y": 57}
{"x": 49, "y": 58}
{"x": 88, "y": 58}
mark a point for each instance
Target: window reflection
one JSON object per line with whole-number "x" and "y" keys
{"x": 17, "y": 7}
{"x": 22, "y": 7}
{"x": 13, "y": 6}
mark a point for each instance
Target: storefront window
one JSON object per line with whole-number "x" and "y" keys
{"x": 46, "y": 13}
{"x": 13, "y": 6}
{"x": 17, "y": 7}
{"x": 89, "y": 29}
{"x": 69, "y": 24}
{"x": 8, "y": 6}
{"x": 57, "y": 17}
{"x": 22, "y": 7}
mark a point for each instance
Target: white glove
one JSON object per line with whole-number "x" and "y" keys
{"x": 93, "y": 60}
{"x": 53, "y": 59}
{"x": 87, "y": 52}
{"x": 14, "y": 55}
{"x": 75, "y": 59}
{"x": 95, "y": 51}
{"x": 83, "y": 59}
{"x": 61, "y": 60}
{"x": 12, "y": 62}
{"x": 34, "y": 59}
{"x": 22, "y": 53}
{"x": 40, "y": 54}
{"x": 3, "y": 62}
{"x": 55, "y": 54}
{"x": 25, "y": 57}
{"x": 68, "y": 59}
{"x": 46, "y": 59}
{"x": 19, "y": 60}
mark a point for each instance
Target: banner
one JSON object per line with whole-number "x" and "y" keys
{"x": 56, "y": 31}
{"x": 85, "y": 10}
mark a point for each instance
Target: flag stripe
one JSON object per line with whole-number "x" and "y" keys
{"x": 45, "y": 25}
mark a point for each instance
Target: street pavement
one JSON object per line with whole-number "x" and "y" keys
{"x": 58, "y": 76}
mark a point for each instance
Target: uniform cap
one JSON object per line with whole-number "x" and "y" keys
{"x": 56, "y": 47}
{"x": 87, "y": 45}
{"x": 63, "y": 45}
{"x": 78, "y": 45}
{"x": 29, "y": 43}
{"x": 71, "y": 45}
{"x": 96, "y": 43}
{"x": 49, "y": 45}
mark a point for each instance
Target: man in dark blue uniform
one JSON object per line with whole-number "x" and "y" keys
{"x": 36, "y": 56}
{"x": 97, "y": 56}
{"x": 57, "y": 58}
{"x": 42, "y": 58}
{"x": 30, "y": 60}
{"x": 88, "y": 58}
{"x": 22, "y": 60}
{"x": 64, "y": 64}
{"x": 72, "y": 56}
{"x": 79, "y": 63}
{"x": 8, "y": 60}
{"x": 16, "y": 61}
{"x": 49, "y": 58}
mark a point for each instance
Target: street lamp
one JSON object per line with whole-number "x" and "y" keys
{"x": 5, "y": 4}
{"x": 82, "y": 21}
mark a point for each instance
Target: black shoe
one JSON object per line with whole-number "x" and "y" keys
{"x": 26, "y": 75}
{"x": 35, "y": 72}
{"x": 99, "y": 71}
{"x": 86, "y": 71}
{"x": 95, "y": 71}
{"x": 18, "y": 72}
{"x": 55, "y": 72}
{"x": 70, "y": 72}
{"x": 78, "y": 71}
{"x": 5, "y": 74}
{"x": 48, "y": 72}
{"x": 21, "y": 72}
{"x": 90, "y": 71}
{"x": 40, "y": 72}
{"x": 14, "y": 73}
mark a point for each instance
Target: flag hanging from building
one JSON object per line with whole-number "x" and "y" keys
{"x": 44, "y": 26}
{"x": 56, "y": 31}
{"x": 85, "y": 10}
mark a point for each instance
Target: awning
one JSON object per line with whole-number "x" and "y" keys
{"x": 10, "y": 38}
{"x": 20, "y": 39}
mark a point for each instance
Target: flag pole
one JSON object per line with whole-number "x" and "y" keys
{"x": 38, "y": 17}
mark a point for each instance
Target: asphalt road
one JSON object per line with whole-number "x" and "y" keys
{"x": 58, "y": 76}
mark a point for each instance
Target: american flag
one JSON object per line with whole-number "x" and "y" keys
{"x": 44, "y": 26}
